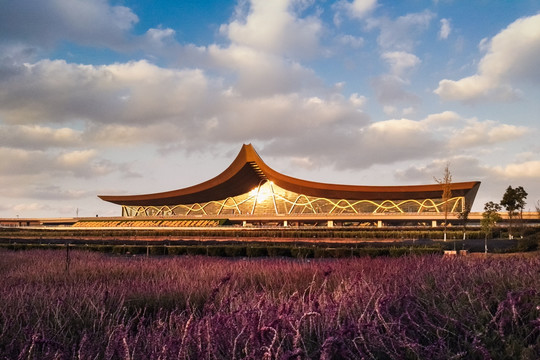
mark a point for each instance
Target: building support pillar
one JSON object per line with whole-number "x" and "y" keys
{"x": 330, "y": 223}
{"x": 434, "y": 223}
{"x": 244, "y": 223}
{"x": 285, "y": 223}
{"x": 379, "y": 224}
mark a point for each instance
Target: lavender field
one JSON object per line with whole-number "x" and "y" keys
{"x": 112, "y": 307}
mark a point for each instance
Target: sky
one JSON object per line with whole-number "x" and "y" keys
{"x": 117, "y": 97}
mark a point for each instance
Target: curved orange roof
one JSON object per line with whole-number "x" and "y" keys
{"x": 248, "y": 170}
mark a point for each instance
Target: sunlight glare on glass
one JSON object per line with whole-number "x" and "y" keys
{"x": 262, "y": 193}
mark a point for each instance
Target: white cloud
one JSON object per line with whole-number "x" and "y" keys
{"x": 160, "y": 35}
{"x": 446, "y": 118}
{"x": 390, "y": 91}
{"x": 511, "y": 58}
{"x": 262, "y": 74}
{"x": 476, "y": 133}
{"x": 357, "y": 100}
{"x": 467, "y": 89}
{"x": 495, "y": 179}
{"x": 354, "y": 42}
{"x": 401, "y": 34}
{"x": 45, "y": 23}
{"x": 278, "y": 116}
{"x": 445, "y": 30}
{"x": 396, "y": 40}
{"x": 302, "y": 162}
{"x": 528, "y": 169}
{"x": 440, "y": 135}
{"x": 140, "y": 103}
{"x": 30, "y": 207}
{"x": 33, "y": 190}
{"x": 400, "y": 61}
{"x": 76, "y": 158}
{"x": 273, "y": 27}
{"x": 78, "y": 163}
{"x": 463, "y": 168}
{"x": 116, "y": 135}
{"x": 362, "y": 8}
{"x": 360, "y": 145}
{"x": 357, "y": 9}
{"x": 38, "y": 137}
{"x": 134, "y": 92}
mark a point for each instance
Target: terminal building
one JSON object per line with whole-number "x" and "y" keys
{"x": 250, "y": 193}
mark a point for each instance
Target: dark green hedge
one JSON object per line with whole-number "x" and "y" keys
{"x": 239, "y": 250}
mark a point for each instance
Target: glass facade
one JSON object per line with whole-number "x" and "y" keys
{"x": 270, "y": 199}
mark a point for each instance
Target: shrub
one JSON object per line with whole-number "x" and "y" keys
{"x": 529, "y": 243}
{"x": 279, "y": 251}
{"x": 197, "y": 250}
{"x": 256, "y": 251}
{"x": 302, "y": 252}
{"x": 371, "y": 252}
{"x": 397, "y": 252}
{"x": 177, "y": 250}
{"x": 235, "y": 251}
{"x": 119, "y": 249}
{"x": 216, "y": 251}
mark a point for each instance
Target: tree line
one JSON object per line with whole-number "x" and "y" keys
{"x": 513, "y": 201}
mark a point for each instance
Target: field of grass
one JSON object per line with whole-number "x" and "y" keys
{"x": 197, "y": 307}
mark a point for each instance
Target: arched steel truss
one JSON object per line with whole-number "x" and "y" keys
{"x": 283, "y": 202}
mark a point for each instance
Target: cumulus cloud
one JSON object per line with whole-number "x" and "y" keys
{"x": 510, "y": 59}
{"x": 366, "y": 144}
{"x": 528, "y": 169}
{"x": 159, "y": 35}
{"x": 361, "y": 146}
{"x": 400, "y": 61}
{"x": 135, "y": 92}
{"x": 354, "y": 42}
{"x": 138, "y": 102}
{"x": 446, "y": 118}
{"x": 282, "y": 116}
{"x": 390, "y": 90}
{"x": 30, "y": 207}
{"x": 261, "y": 74}
{"x": 38, "y": 137}
{"x": 401, "y": 34}
{"x": 356, "y": 9}
{"x": 45, "y": 23}
{"x": 445, "y": 30}
{"x": 480, "y": 133}
{"x": 274, "y": 27}
{"x": 494, "y": 178}
{"x": 397, "y": 40}
{"x": 45, "y": 192}
{"x": 79, "y": 163}
{"x": 132, "y": 135}
{"x": 255, "y": 86}
{"x": 463, "y": 168}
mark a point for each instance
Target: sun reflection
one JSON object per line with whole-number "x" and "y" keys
{"x": 262, "y": 192}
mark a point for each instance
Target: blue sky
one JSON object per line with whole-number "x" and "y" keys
{"x": 131, "y": 97}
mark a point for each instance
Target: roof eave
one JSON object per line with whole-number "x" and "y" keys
{"x": 248, "y": 170}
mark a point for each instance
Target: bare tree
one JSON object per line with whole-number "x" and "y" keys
{"x": 538, "y": 207}
{"x": 446, "y": 183}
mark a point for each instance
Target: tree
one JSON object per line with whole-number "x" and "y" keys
{"x": 490, "y": 217}
{"x": 514, "y": 202}
{"x": 538, "y": 207}
{"x": 464, "y": 216}
{"x": 446, "y": 183}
